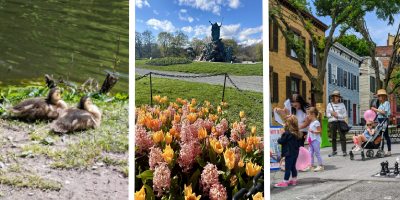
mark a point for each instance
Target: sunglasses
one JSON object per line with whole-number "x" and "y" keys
{"x": 369, "y": 124}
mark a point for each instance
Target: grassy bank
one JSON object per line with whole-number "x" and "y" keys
{"x": 175, "y": 88}
{"x": 208, "y": 68}
{"x": 106, "y": 146}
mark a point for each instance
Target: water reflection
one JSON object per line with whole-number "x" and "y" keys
{"x": 74, "y": 39}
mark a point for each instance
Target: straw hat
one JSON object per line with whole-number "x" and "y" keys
{"x": 381, "y": 92}
{"x": 336, "y": 93}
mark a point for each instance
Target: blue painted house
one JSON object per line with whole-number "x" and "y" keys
{"x": 343, "y": 75}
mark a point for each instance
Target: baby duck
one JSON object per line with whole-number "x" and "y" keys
{"x": 40, "y": 108}
{"x": 85, "y": 116}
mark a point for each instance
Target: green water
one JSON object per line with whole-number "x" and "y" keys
{"x": 72, "y": 39}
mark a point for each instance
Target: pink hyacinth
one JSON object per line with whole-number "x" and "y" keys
{"x": 208, "y": 124}
{"x": 222, "y": 127}
{"x": 187, "y": 155}
{"x": 235, "y": 136}
{"x": 155, "y": 157}
{"x": 172, "y": 111}
{"x": 218, "y": 192}
{"x": 224, "y": 140}
{"x": 237, "y": 154}
{"x": 209, "y": 176}
{"x": 161, "y": 178}
{"x": 189, "y": 132}
{"x": 242, "y": 128}
{"x": 142, "y": 139}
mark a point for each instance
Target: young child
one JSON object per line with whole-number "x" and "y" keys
{"x": 290, "y": 141}
{"x": 359, "y": 139}
{"x": 314, "y": 138}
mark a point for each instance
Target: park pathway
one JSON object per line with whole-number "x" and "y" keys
{"x": 252, "y": 83}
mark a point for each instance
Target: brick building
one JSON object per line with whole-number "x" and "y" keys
{"x": 286, "y": 74}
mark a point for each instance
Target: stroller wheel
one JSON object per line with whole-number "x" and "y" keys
{"x": 379, "y": 154}
{"x": 351, "y": 155}
{"x": 370, "y": 153}
{"x": 362, "y": 156}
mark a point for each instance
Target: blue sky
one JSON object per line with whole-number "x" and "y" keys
{"x": 242, "y": 19}
{"x": 378, "y": 29}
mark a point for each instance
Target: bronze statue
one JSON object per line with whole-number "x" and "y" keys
{"x": 215, "y": 31}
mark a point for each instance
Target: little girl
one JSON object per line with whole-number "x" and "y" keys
{"x": 314, "y": 138}
{"x": 359, "y": 139}
{"x": 290, "y": 141}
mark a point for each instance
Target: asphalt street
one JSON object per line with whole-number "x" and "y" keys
{"x": 342, "y": 179}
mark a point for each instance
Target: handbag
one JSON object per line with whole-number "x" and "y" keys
{"x": 343, "y": 126}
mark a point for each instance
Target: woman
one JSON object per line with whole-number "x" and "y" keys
{"x": 297, "y": 106}
{"x": 336, "y": 112}
{"x": 383, "y": 111}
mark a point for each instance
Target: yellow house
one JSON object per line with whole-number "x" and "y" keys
{"x": 286, "y": 75}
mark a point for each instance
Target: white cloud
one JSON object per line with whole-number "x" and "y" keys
{"x": 139, "y": 20}
{"x": 201, "y": 30}
{"x": 234, "y": 3}
{"x": 213, "y": 6}
{"x": 250, "y": 42}
{"x": 229, "y": 31}
{"x": 164, "y": 25}
{"x": 155, "y": 12}
{"x": 184, "y": 16}
{"x": 187, "y": 29}
{"x": 244, "y": 34}
{"x": 141, "y": 3}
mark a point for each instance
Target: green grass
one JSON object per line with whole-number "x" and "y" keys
{"x": 175, "y": 88}
{"x": 208, "y": 68}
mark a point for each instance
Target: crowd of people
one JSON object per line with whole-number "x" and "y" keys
{"x": 302, "y": 122}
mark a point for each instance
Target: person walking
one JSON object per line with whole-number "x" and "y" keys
{"x": 336, "y": 112}
{"x": 383, "y": 112}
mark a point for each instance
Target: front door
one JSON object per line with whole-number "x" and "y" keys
{"x": 354, "y": 114}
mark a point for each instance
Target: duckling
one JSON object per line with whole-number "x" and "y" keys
{"x": 85, "y": 116}
{"x": 40, "y": 108}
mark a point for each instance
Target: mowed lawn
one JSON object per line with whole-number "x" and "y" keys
{"x": 237, "y": 101}
{"x": 208, "y": 68}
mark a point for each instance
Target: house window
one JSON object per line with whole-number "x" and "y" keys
{"x": 345, "y": 79}
{"x": 334, "y": 75}
{"x": 372, "y": 87}
{"x": 349, "y": 80}
{"x": 313, "y": 55}
{"x": 293, "y": 85}
{"x": 297, "y": 37}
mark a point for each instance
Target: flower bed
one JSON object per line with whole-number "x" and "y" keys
{"x": 187, "y": 150}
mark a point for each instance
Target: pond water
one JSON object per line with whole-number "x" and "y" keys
{"x": 75, "y": 40}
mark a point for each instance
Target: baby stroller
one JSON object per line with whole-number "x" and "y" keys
{"x": 375, "y": 142}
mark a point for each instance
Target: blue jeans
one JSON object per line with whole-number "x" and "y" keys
{"x": 290, "y": 166}
{"x": 386, "y": 135}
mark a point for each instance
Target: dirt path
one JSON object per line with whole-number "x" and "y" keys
{"x": 252, "y": 83}
{"x": 19, "y": 175}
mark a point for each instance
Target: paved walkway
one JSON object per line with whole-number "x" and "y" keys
{"x": 342, "y": 179}
{"x": 252, "y": 83}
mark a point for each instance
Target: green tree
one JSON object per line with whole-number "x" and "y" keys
{"x": 358, "y": 45}
{"x": 164, "y": 40}
{"x": 197, "y": 46}
{"x": 179, "y": 42}
{"x": 138, "y": 45}
{"x": 148, "y": 40}
{"x": 258, "y": 48}
{"x": 231, "y": 43}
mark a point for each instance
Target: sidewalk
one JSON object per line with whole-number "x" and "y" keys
{"x": 342, "y": 179}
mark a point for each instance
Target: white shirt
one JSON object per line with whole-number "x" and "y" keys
{"x": 339, "y": 108}
{"x": 300, "y": 115}
{"x": 313, "y": 127}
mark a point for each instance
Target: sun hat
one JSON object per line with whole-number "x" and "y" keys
{"x": 381, "y": 92}
{"x": 336, "y": 93}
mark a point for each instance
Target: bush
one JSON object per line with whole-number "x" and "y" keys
{"x": 168, "y": 61}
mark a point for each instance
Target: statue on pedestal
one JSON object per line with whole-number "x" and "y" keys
{"x": 215, "y": 31}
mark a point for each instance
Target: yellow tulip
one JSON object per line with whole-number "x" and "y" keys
{"x": 164, "y": 99}
{"x": 177, "y": 118}
{"x": 253, "y": 130}
{"x": 242, "y": 144}
{"x": 229, "y": 157}
{"x": 179, "y": 100}
{"x": 189, "y": 195}
{"x": 168, "y": 154}
{"x": 157, "y": 98}
{"x": 207, "y": 103}
{"x": 241, "y": 163}
{"x": 219, "y": 109}
{"x": 168, "y": 138}
{"x": 258, "y": 196}
{"x": 163, "y": 119}
{"x": 192, "y": 117}
{"x": 217, "y": 146}
{"x": 193, "y": 101}
{"x": 241, "y": 114}
{"x": 158, "y": 136}
{"x": 233, "y": 180}
{"x": 252, "y": 169}
{"x": 141, "y": 194}
{"x": 192, "y": 109}
{"x": 202, "y": 133}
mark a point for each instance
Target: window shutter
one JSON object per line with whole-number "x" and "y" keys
{"x": 311, "y": 52}
{"x": 270, "y": 34}
{"x": 349, "y": 80}
{"x": 349, "y": 109}
{"x": 275, "y": 93}
{"x": 304, "y": 90}
{"x": 339, "y": 72}
{"x": 275, "y": 36}
{"x": 357, "y": 84}
{"x": 288, "y": 87}
{"x": 329, "y": 73}
{"x": 287, "y": 49}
